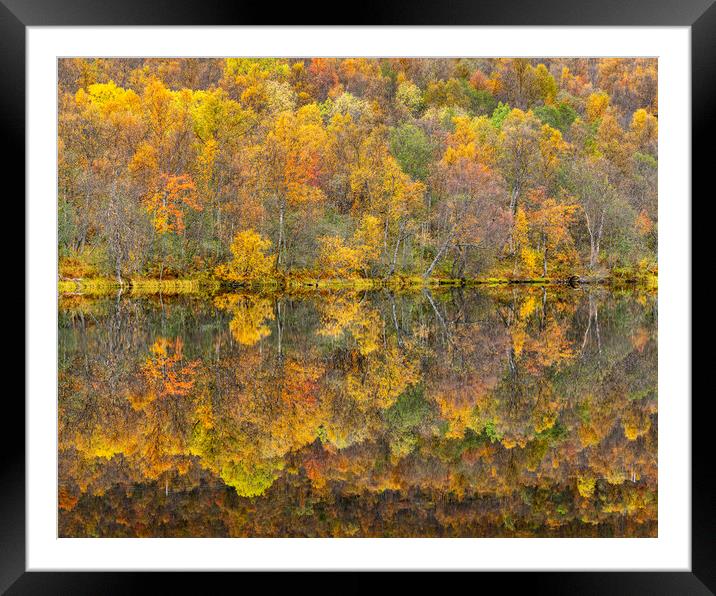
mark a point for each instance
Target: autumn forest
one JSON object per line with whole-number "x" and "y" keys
{"x": 241, "y": 170}
{"x": 351, "y": 297}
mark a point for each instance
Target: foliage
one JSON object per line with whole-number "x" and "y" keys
{"x": 511, "y": 411}
{"x": 250, "y": 259}
{"x": 163, "y": 161}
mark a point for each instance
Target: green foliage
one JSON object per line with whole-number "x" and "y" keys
{"x": 249, "y": 481}
{"x": 413, "y": 149}
{"x": 482, "y": 102}
{"x": 491, "y": 432}
{"x": 409, "y": 410}
{"x": 499, "y": 114}
{"x": 410, "y": 97}
{"x": 560, "y": 116}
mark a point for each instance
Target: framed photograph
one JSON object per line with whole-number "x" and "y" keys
{"x": 412, "y": 294}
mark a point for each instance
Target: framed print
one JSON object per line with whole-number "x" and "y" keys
{"x": 405, "y": 295}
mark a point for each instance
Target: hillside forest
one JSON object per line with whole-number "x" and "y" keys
{"x": 242, "y": 170}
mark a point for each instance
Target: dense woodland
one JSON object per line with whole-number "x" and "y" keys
{"x": 244, "y": 169}
{"x": 511, "y": 412}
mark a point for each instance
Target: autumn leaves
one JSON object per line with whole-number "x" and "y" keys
{"x": 534, "y": 406}
{"x": 357, "y": 168}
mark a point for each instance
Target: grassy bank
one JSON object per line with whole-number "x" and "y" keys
{"x": 100, "y": 286}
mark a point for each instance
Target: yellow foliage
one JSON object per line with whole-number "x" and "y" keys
{"x": 384, "y": 380}
{"x": 250, "y": 314}
{"x": 636, "y": 424}
{"x": 551, "y": 148}
{"x": 586, "y": 486}
{"x": 597, "y": 104}
{"x": 588, "y": 435}
{"x": 520, "y": 228}
{"x": 368, "y": 237}
{"x": 250, "y": 261}
{"x": 144, "y": 159}
{"x": 530, "y": 260}
{"x": 338, "y": 259}
{"x": 644, "y": 128}
{"x": 205, "y": 164}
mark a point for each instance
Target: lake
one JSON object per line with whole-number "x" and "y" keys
{"x": 499, "y": 411}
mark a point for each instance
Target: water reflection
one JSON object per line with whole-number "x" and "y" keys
{"x": 517, "y": 411}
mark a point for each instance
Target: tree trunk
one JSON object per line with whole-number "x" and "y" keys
{"x": 162, "y": 243}
{"x": 513, "y": 199}
{"x": 462, "y": 262}
{"x": 439, "y": 255}
{"x": 118, "y": 269}
{"x": 394, "y": 260}
{"x": 279, "y": 247}
{"x": 595, "y": 236}
{"x": 513, "y": 211}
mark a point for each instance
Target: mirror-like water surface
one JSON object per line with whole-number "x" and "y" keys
{"x": 513, "y": 411}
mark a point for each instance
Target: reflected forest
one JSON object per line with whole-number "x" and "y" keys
{"x": 505, "y": 412}
{"x": 351, "y": 297}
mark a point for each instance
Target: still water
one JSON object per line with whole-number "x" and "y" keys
{"x": 511, "y": 411}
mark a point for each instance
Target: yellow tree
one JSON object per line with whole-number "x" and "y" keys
{"x": 343, "y": 259}
{"x": 552, "y": 148}
{"x": 551, "y": 221}
{"x": 289, "y": 165}
{"x": 105, "y": 133}
{"x": 519, "y": 149}
{"x": 250, "y": 260}
{"x": 381, "y": 188}
{"x": 644, "y": 131}
{"x": 221, "y": 126}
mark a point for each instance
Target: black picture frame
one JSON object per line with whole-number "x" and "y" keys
{"x": 700, "y": 15}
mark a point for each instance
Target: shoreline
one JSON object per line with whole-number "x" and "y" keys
{"x": 102, "y": 286}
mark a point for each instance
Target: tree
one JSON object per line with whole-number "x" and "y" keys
{"x": 595, "y": 195}
{"x": 551, "y": 221}
{"x": 468, "y": 212}
{"x": 337, "y": 258}
{"x": 413, "y": 149}
{"x": 519, "y": 148}
{"x": 381, "y": 188}
{"x": 167, "y": 205}
{"x": 289, "y": 165}
{"x": 250, "y": 260}
{"x": 552, "y": 149}
{"x": 409, "y": 97}
{"x": 644, "y": 130}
